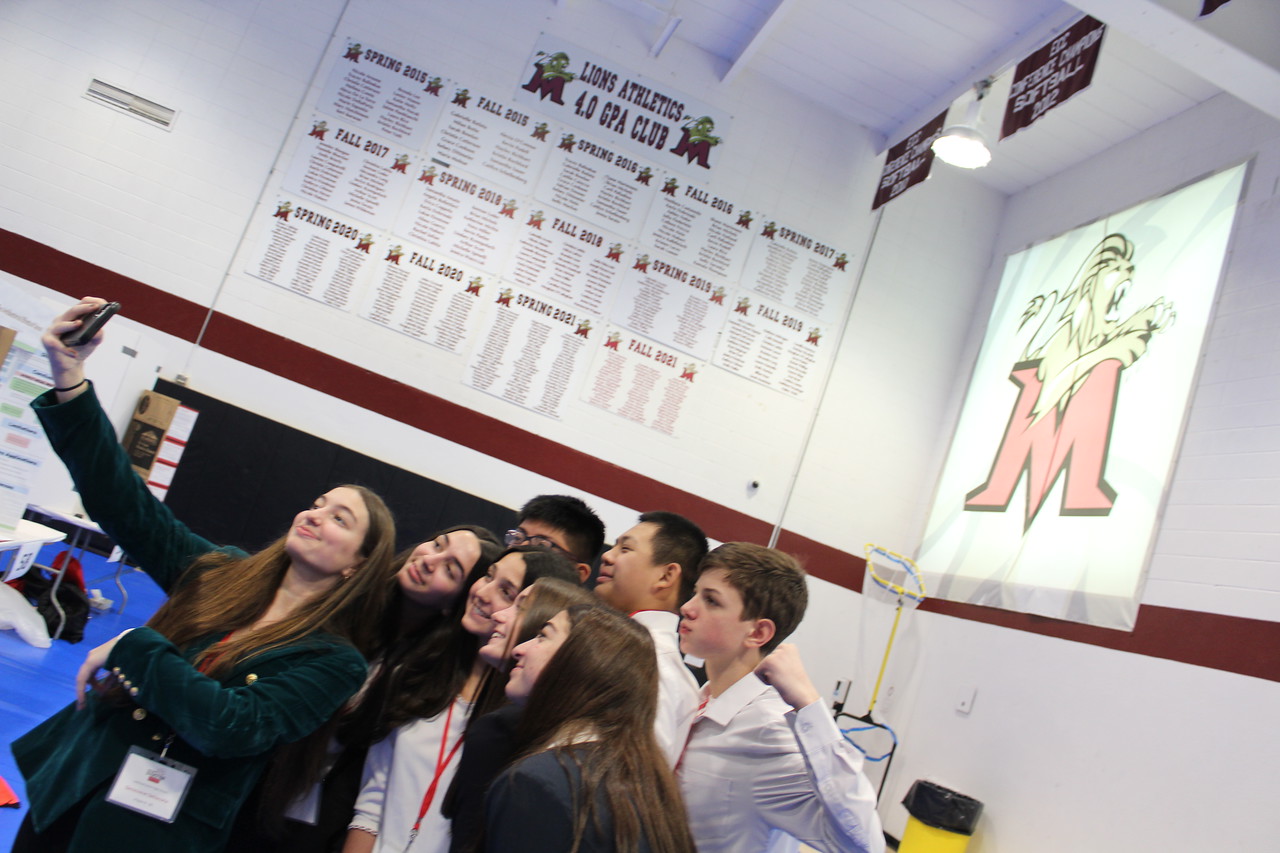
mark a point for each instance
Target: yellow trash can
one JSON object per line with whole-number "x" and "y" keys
{"x": 941, "y": 820}
{"x": 922, "y": 838}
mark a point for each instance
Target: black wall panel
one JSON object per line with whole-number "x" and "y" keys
{"x": 243, "y": 477}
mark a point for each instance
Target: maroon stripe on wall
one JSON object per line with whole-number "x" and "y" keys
{"x": 59, "y": 271}
{"x": 1229, "y": 643}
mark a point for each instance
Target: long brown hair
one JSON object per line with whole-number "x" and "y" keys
{"x": 297, "y": 766}
{"x": 608, "y": 664}
{"x": 420, "y": 677}
{"x": 219, "y": 593}
{"x": 548, "y": 596}
{"x": 397, "y": 627}
{"x": 554, "y": 578}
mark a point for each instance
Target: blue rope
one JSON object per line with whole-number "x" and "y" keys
{"x": 846, "y": 732}
{"x": 907, "y": 566}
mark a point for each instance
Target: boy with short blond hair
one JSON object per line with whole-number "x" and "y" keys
{"x": 764, "y": 755}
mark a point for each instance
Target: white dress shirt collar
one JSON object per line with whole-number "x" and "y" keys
{"x": 724, "y": 707}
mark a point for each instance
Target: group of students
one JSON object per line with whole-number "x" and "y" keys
{"x": 328, "y": 694}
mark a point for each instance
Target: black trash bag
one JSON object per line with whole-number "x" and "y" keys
{"x": 942, "y": 808}
{"x": 37, "y": 586}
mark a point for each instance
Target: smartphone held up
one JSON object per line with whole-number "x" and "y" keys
{"x": 90, "y": 325}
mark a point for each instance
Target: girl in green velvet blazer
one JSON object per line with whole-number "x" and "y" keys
{"x": 250, "y": 651}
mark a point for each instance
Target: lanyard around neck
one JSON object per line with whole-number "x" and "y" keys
{"x": 442, "y": 763}
{"x": 209, "y": 661}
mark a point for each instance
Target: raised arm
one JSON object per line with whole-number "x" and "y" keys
{"x": 66, "y": 363}
{"x": 824, "y": 799}
{"x": 113, "y": 495}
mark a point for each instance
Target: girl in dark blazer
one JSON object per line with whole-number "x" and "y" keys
{"x": 491, "y": 737}
{"x": 425, "y": 701}
{"x": 592, "y": 778}
{"x": 248, "y": 653}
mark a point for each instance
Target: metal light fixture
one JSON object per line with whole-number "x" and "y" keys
{"x": 963, "y": 144}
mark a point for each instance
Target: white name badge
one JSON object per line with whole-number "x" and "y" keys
{"x": 151, "y": 784}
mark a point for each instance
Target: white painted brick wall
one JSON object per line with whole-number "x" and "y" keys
{"x": 1059, "y": 730}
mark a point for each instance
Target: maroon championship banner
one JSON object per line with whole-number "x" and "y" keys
{"x": 1053, "y": 74}
{"x": 908, "y": 163}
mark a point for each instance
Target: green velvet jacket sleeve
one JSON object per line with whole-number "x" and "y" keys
{"x": 114, "y": 496}
{"x": 271, "y": 699}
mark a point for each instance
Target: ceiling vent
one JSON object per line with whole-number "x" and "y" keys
{"x": 116, "y": 98}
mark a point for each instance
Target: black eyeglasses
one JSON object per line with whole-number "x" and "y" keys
{"x": 519, "y": 537}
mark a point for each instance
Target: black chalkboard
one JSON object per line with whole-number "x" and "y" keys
{"x": 243, "y": 477}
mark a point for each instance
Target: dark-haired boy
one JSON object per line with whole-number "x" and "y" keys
{"x": 647, "y": 574}
{"x": 563, "y": 523}
{"x": 764, "y": 753}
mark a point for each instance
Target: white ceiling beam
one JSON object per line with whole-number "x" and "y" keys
{"x": 762, "y": 35}
{"x": 1185, "y": 42}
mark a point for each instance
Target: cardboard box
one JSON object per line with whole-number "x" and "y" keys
{"x": 151, "y": 419}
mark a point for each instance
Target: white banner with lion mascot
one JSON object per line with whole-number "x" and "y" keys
{"x": 1051, "y": 493}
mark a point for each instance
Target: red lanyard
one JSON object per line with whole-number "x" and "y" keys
{"x": 442, "y": 763}
{"x": 689, "y": 735}
{"x": 208, "y": 662}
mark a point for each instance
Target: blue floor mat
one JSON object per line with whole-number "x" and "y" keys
{"x": 34, "y": 683}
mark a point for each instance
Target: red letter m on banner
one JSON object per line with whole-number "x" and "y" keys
{"x": 1073, "y": 440}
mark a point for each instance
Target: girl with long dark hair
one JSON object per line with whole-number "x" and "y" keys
{"x": 314, "y": 782}
{"x": 592, "y": 777}
{"x": 491, "y": 741}
{"x": 418, "y": 717}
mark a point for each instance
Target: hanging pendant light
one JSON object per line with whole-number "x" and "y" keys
{"x": 962, "y": 144}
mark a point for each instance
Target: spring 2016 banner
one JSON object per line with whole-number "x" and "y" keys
{"x": 1051, "y": 493}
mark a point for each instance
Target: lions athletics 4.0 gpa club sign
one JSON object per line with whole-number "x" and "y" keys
{"x": 1050, "y": 496}
{"x": 589, "y": 92}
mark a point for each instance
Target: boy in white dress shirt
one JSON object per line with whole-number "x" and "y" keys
{"x": 764, "y": 754}
{"x": 647, "y": 574}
